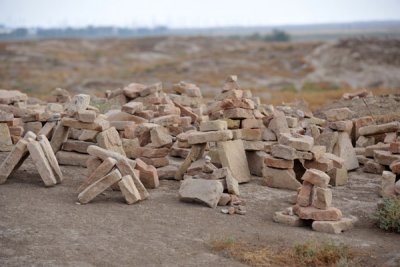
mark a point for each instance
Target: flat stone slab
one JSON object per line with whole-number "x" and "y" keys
{"x": 233, "y": 156}
{"x": 380, "y": 129}
{"x": 311, "y": 213}
{"x": 207, "y": 192}
{"x": 291, "y": 220}
{"x": 48, "y": 151}
{"x": 205, "y": 137}
{"x": 334, "y": 227}
{"x": 280, "y": 178}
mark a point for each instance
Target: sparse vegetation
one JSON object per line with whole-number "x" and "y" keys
{"x": 309, "y": 253}
{"x": 388, "y": 214}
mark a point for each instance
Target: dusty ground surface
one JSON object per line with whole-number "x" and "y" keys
{"x": 45, "y": 227}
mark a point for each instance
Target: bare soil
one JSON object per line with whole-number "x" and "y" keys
{"x": 45, "y": 227}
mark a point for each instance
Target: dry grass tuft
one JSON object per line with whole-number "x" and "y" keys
{"x": 309, "y": 253}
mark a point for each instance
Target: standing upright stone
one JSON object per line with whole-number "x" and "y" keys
{"x": 48, "y": 151}
{"x": 345, "y": 150}
{"x": 41, "y": 163}
{"x": 5, "y": 138}
{"x": 233, "y": 156}
{"x": 110, "y": 140}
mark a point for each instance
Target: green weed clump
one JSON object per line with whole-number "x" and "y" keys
{"x": 388, "y": 214}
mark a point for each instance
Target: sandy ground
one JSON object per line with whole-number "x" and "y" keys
{"x": 45, "y": 227}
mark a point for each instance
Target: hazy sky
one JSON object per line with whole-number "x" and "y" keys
{"x": 187, "y": 13}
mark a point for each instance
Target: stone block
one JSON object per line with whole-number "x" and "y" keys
{"x": 312, "y": 213}
{"x": 233, "y": 156}
{"x": 316, "y": 177}
{"x": 280, "y": 178}
{"x": 334, "y": 227}
{"x": 129, "y": 190}
{"x": 207, "y": 192}
{"x": 339, "y": 114}
{"x": 217, "y": 125}
{"x": 297, "y": 141}
{"x": 204, "y": 137}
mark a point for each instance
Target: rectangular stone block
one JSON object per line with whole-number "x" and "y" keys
{"x": 233, "y": 156}
{"x": 204, "y": 137}
{"x": 129, "y": 190}
{"x": 41, "y": 163}
{"x": 71, "y": 158}
{"x": 217, "y": 125}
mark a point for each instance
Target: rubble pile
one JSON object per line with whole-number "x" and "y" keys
{"x": 314, "y": 202}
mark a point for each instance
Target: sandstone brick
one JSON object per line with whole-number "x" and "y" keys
{"x": 273, "y": 162}
{"x": 48, "y": 152}
{"x": 334, "y": 227}
{"x": 129, "y": 190}
{"x": 304, "y": 196}
{"x": 247, "y": 134}
{"x": 110, "y": 140}
{"x": 255, "y": 160}
{"x": 312, "y": 213}
{"x": 204, "y": 137}
{"x": 291, "y": 220}
{"x": 394, "y": 147}
{"x": 338, "y": 176}
{"x": 395, "y": 167}
{"x": 77, "y": 146}
{"x": 15, "y": 158}
{"x": 380, "y": 129}
{"x": 78, "y": 103}
{"x": 5, "y": 138}
{"x": 71, "y": 158}
{"x": 148, "y": 174}
{"x": 41, "y": 163}
{"x": 344, "y": 149}
{"x": 160, "y": 137}
{"x": 132, "y": 107}
{"x": 283, "y": 152}
{"x": 98, "y": 125}
{"x": 385, "y": 157}
{"x": 126, "y": 168}
{"x": 388, "y": 184}
{"x": 238, "y": 113}
{"x": 369, "y": 150}
{"x": 268, "y": 135}
{"x": 207, "y": 192}
{"x": 342, "y": 126}
{"x": 322, "y": 164}
{"x": 327, "y": 139}
{"x": 361, "y": 122}
{"x": 278, "y": 124}
{"x": 99, "y": 186}
{"x": 373, "y": 167}
{"x": 217, "y": 125}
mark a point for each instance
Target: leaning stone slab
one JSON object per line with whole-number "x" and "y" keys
{"x": 380, "y": 129}
{"x": 207, "y": 192}
{"x": 76, "y": 145}
{"x": 148, "y": 174}
{"x": 14, "y": 159}
{"x": 204, "y": 137}
{"x": 48, "y": 151}
{"x": 388, "y": 184}
{"x": 47, "y": 129}
{"x": 41, "y": 163}
{"x": 104, "y": 153}
{"x": 102, "y": 170}
{"x": 233, "y": 156}
{"x": 60, "y": 135}
{"x": 280, "y": 178}
{"x": 232, "y": 184}
{"x": 98, "y": 187}
{"x": 126, "y": 168}
{"x": 304, "y": 195}
{"x": 5, "y": 138}
{"x": 334, "y": 227}
{"x": 129, "y": 190}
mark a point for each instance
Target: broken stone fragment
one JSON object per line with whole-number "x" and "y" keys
{"x": 41, "y": 163}
{"x": 278, "y": 124}
{"x": 316, "y": 177}
{"x": 98, "y": 187}
{"x": 225, "y": 199}
{"x": 148, "y": 174}
{"x": 280, "y": 178}
{"x": 129, "y": 190}
{"x": 334, "y": 227}
{"x": 207, "y": 192}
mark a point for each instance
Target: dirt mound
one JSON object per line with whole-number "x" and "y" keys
{"x": 358, "y": 62}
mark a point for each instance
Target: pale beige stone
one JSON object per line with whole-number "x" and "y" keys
{"x": 98, "y": 187}
{"x": 160, "y": 137}
{"x": 60, "y": 135}
{"x": 88, "y": 116}
{"x": 207, "y": 192}
{"x": 204, "y": 137}
{"x": 78, "y": 103}
{"x": 14, "y": 159}
{"x": 41, "y": 163}
{"x": 126, "y": 168}
{"x": 297, "y": 141}
{"x": 102, "y": 170}
{"x": 129, "y": 190}
{"x": 217, "y": 125}
{"x": 48, "y": 151}
{"x": 71, "y": 158}
{"x": 322, "y": 198}
{"x": 233, "y": 156}
{"x": 345, "y": 150}
{"x": 280, "y": 178}
{"x": 110, "y": 140}
{"x": 316, "y": 177}
{"x": 380, "y": 129}
{"x": 5, "y": 138}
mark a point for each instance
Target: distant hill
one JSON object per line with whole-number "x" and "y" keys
{"x": 307, "y": 32}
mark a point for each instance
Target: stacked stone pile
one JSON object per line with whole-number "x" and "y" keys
{"x": 314, "y": 202}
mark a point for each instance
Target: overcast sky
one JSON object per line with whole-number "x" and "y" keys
{"x": 186, "y": 13}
